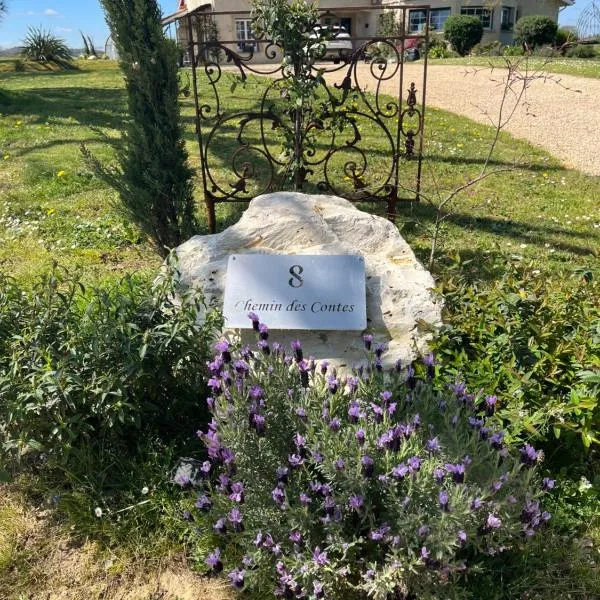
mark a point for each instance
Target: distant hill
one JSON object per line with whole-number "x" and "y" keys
{"x": 16, "y": 50}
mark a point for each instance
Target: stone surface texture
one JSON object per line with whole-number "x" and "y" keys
{"x": 401, "y": 308}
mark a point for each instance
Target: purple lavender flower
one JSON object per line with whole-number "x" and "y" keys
{"x": 324, "y": 366}
{"x": 476, "y": 504}
{"x": 360, "y": 436}
{"x": 548, "y": 484}
{"x": 496, "y": 486}
{"x": 392, "y": 408}
{"x": 256, "y": 392}
{"x": 316, "y": 456}
{"x": 214, "y": 384}
{"x": 236, "y": 518}
{"x": 204, "y": 503}
{"x": 295, "y": 461}
{"x": 414, "y": 464}
{"x": 380, "y": 349}
{"x": 340, "y": 464}
{"x": 462, "y": 537}
{"x": 424, "y": 554}
{"x": 377, "y": 412}
{"x": 352, "y": 384}
{"x": 296, "y": 537}
{"x": 529, "y": 455}
{"x": 301, "y": 414}
{"x": 237, "y": 578}
{"x": 439, "y": 474}
{"x": 216, "y": 367}
{"x": 433, "y": 445}
{"x": 237, "y": 492}
{"x": 305, "y": 499}
{"x": 493, "y": 522}
{"x": 223, "y": 348}
{"x": 444, "y": 499}
{"x": 297, "y": 348}
{"x": 368, "y": 466}
{"x": 379, "y": 365}
{"x": 241, "y": 367}
{"x": 385, "y": 397}
{"x": 255, "y": 320}
{"x": 490, "y": 405}
{"x": 282, "y": 475}
{"x": 457, "y": 471}
{"x": 320, "y": 558}
{"x": 356, "y": 502}
{"x": 259, "y": 424}
{"x": 263, "y": 332}
{"x": 318, "y": 591}
{"x": 333, "y": 384}
{"x": 220, "y": 526}
{"x": 368, "y": 340}
{"x": 354, "y": 413}
{"x": 214, "y": 561}
{"x": 423, "y": 531}
{"x": 264, "y": 346}
{"x": 380, "y": 533}
{"x": 497, "y": 440}
{"x": 183, "y": 481}
{"x": 335, "y": 424}
{"x": 278, "y": 496}
{"x": 329, "y": 505}
{"x": 400, "y": 472}
{"x": 303, "y": 368}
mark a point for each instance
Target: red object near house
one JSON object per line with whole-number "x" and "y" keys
{"x": 182, "y": 5}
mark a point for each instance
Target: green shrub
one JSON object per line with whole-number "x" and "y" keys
{"x": 43, "y": 46}
{"x": 581, "y": 51}
{"x": 491, "y": 49}
{"x": 563, "y": 38}
{"x": 535, "y": 30}
{"x": 19, "y": 66}
{"x": 535, "y": 341}
{"x": 79, "y": 365}
{"x": 513, "y": 51}
{"x": 463, "y": 32}
{"x": 367, "y": 486}
{"x": 154, "y": 180}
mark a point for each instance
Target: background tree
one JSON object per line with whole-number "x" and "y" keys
{"x": 3, "y": 9}
{"x": 463, "y": 32}
{"x": 154, "y": 179}
{"x": 535, "y": 30}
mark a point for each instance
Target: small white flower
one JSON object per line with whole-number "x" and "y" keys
{"x": 98, "y": 512}
{"x": 145, "y": 490}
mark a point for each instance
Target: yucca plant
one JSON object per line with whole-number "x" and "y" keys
{"x": 43, "y": 46}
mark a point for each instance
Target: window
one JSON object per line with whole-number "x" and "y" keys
{"x": 438, "y": 18}
{"x": 507, "y": 19}
{"x": 418, "y": 18}
{"x": 243, "y": 33}
{"x": 485, "y": 15}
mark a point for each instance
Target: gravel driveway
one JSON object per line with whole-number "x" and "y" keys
{"x": 560, "y": 114}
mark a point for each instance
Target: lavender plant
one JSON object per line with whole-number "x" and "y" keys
{"x": 371, "y": 485}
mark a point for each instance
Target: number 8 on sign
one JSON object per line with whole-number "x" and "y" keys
{"x": 295, "y": 280}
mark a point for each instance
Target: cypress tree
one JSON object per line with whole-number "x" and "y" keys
{"x": 155, "y": 180}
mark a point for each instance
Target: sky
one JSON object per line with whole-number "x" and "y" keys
{"x": 66, "y": 17}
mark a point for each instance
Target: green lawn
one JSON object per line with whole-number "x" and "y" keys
{"x": 53, "y": 208}
{"x": 582, "y": 67}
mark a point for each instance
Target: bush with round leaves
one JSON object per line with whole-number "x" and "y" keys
{"x": 371, "y": 485}
{"x": 463, "y": 32}
{"x": 535, "y": 30}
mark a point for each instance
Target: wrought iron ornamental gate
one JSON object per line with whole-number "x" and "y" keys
{"x": 362, "y": 139}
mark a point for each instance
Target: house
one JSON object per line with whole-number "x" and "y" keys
{"x": 498, "y": 17}
{"x": 229, "y": 20}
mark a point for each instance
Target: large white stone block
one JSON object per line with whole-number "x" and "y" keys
{"x": 401, "y": 307}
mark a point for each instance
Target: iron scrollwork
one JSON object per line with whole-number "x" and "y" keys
{"x": 246, "y": 152}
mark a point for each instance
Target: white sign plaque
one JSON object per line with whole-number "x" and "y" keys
{"x": 296, "y": 292}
